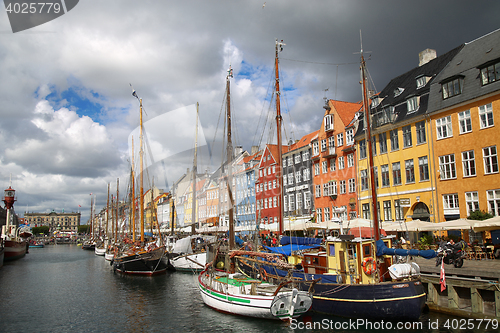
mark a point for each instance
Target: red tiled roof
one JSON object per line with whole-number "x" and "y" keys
{"x": 304, "y": 141}
{"x": 345, "y": 110}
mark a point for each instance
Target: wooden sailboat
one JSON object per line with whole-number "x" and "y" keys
{"x": 234, "y": 293}
{"x": 144, "y": 257}
{"x": 89, "y": 243}
{"x": 355, "y": 280}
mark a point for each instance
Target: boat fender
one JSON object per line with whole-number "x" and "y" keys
{"x": 263, "y": 274}
{"x": 369, "y": 266}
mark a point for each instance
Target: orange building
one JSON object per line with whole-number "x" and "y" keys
{"x": 334, "y": 163}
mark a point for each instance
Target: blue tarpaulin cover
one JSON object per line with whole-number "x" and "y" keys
{"x": 384, "y": 250}
{"x": 289, "y": 248}
{"x": 285, "y": 240}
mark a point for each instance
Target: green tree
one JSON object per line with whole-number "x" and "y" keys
{"x": 479, "y": 215}
{"x": 83, "y": 229}
{"x": 40, "y": 230}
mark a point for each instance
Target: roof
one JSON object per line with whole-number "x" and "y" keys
{"x": 304, "y": 141}
{"x": 466, "y": 63}
{"x": 345, "y": 110}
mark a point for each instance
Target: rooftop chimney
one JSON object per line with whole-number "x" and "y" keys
{"x": 425, "y": 56}
{"x": 254, "y": 150}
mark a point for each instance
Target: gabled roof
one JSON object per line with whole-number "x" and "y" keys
{"x": 345, "y": 110}
{"x": 472, "y": 56}
{"x": 304, "y": 141}
{"x": 273, "y": 150}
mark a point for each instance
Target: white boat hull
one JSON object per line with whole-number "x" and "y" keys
{"x": 191, "y": 262}
{"x": 109, "y": 256}
{"x": 100, "y": 251}
{"x": 245, "y": 301}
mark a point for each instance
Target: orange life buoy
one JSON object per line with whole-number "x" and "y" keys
{"x": 263, "y": 274}
{"x": 369, "y": 266}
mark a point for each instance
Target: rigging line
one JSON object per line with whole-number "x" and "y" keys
{"x": 321, "y": 63}
{"x": 269, "y": 86}
{"x": 292, "y": 133}
{"x": 218, "y": 122}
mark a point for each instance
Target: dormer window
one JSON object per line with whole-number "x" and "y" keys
{"x": 328, "y": 122}
{"x": 398, "y": 91}
{"x": 422, "y": 81}
{"x": 375, "y": 102}
{"x": 490, "y": 73}
{"x": 452, "y": 86}
{"x": 413, "y": 103}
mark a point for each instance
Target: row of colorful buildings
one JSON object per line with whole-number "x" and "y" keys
{"x": 434, "y": 140}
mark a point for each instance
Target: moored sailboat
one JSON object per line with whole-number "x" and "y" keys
{"x": 357, "y": 278}
{"x": 140, "y": 257}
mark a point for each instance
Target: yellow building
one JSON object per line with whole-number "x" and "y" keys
{"x": 400, "y": 145}
{"x": 464, "y": 109}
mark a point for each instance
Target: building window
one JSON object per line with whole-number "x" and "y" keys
{"x": 350, "y": 160}
{"x": 398, "y": 211}
{"x": 342, "y": 187}
{"x": 330, "y": 188}
{"x": 374, "y": 145}
{"x": 318, "y": 215}
{"x": 305, "y": 174}
{"x": 305, "y": 155}
{"x": 407, "y": 136}
{"x": 340, "y": 139}
{"x": 413, "y": 104}
{"x": 297, "y": 179}
{"x": 490, "y": 160}
{"x": 341, "y": 162}
{"x": 299, "y": 201}
{"x": 332, "y": 164}
{"x": 387, "y": 211}
{"x": 324, "y": 166}
{"x": 464, "y": 122}
{"x": 352, "y": 185}
{"x": 366, "y": 211}
{"x": 382, "y": 143}
{"x": 452, "y": 88}
{"x": 375, "y": 175}
{"x": 396, "y": 173}
{"x": 318, "y": 190}
{"x": 327, "y": 214}
{"x": 383, "y": 116}
{"x": 290, "y": 179}
{"x": 410, "y": 171}
{"x": 394, "y": 140}
{"x": 486, "y": 115}
{"x": 420, "y": 129}
{"x": 450, "y": 201}
{"x": 328, "y": 122}
{"x": 443, "y": 127}
{"x": 423, "y": 168}
{"x": 421, "y": 81}
{"x": 472, "y": 202}
{"x": 297, "y": 158}
{"x": 323, "y": 145}
{"x": 331, "y": 142}
{"x": 469, "y": 163}
{"x": 490, "y": 74}
{"x": 316, "y": 169}
{"x": 493, "y": 197}
{"x": 364, "y": 180}
{"x": 385, "y": 175}
{"x": 291, "y": 202}
{"x": 315, "y": 148}
{"x": 447, "y": 167}
{"x": 307, "y": 200}
{"x": 362, "y": 149}
{"x": 349, "y": 136}
{"x": 290, "y": 163}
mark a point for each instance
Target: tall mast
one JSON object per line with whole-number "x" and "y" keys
{"x": 117, "y": 206}
{"x": 229, "y": 154}
{"x": 369, "y": 144}
{"x": 107, "y": 213}
{"x": 279, "y": 119}
{"x": 132, "y": 209}
{"x": 195, "y": 170}
{"x": 141, "y": 179}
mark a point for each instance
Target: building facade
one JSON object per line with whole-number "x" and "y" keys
{"x": 66, "y": 222}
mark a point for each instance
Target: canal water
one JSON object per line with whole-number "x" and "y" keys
{"x": 62, "y": 288}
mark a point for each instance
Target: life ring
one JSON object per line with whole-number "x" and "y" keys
{"x": 369, "y": 266}
{"x": 263, "y": 274}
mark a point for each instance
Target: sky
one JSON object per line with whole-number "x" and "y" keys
{"x": 67, "y": 111}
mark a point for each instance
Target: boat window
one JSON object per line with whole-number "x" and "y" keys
{"x": 331, "y": 250}
{"x": 367, "y": 250}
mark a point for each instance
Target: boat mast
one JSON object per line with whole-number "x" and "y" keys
{"x": 369, "y": 144}
{"x": 229, "y": 154}
{"x": 195, "y": 169}
{"x": 117, "y": 207}
{"x": 279, "y": 119}
{"x": 107, "y": 213}
{"x": 133, "y": 194}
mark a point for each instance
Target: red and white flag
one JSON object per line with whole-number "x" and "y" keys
{"x": 442, "y": 279}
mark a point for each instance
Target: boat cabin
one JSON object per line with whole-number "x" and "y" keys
{"x": 351, "y": 258}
